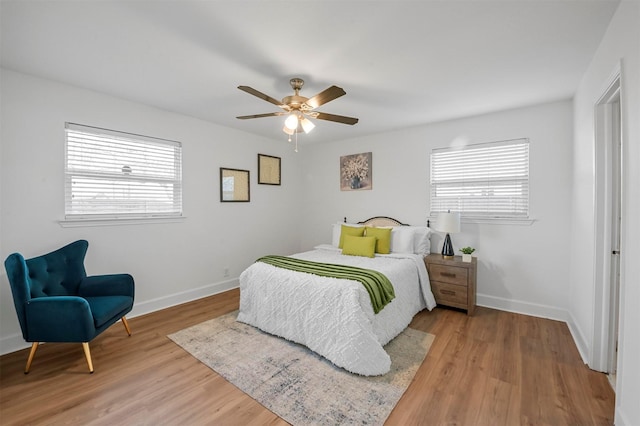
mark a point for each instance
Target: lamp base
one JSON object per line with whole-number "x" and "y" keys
{"x": 447, "y": 248}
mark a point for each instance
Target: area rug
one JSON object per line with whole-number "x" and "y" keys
{"x": 295, "y": 383}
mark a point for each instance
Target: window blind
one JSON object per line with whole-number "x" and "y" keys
{"x": 488, "y": 180}
{"x": 111, "y": 174}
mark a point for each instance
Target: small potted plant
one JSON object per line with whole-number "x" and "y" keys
{"x": 466, "y": 253}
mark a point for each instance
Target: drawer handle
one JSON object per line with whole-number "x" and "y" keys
{"x": 452, "y": 293}
{"x": 448, "y": 274}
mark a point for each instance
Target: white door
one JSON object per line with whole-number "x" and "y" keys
{"x": 616, "y": 219}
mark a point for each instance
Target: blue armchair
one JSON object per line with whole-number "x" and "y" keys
{"x": 57, "y": 302}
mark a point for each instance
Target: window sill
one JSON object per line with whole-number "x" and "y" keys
{"x": 498, "y": 221}
{"x": 77, "y": 223}
{"x": 492, "y": 220}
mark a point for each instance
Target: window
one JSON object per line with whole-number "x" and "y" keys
{"x": 488, "y": 180}
{"x": 115, "y": 175}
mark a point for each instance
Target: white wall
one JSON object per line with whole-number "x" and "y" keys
{"x": 621, "y": 45}
{"x": 171, "y": 262}
{"x": 521, "y": 268}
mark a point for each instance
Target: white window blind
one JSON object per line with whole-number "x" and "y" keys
{"x": 115, "y": 175}
{"x": 488, "y": 180}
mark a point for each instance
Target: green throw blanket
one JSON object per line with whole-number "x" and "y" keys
{"x": 377, "y": 284}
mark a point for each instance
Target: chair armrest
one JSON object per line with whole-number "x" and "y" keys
{"x": 59, "y": 319}
{"x": 107, "y": 285}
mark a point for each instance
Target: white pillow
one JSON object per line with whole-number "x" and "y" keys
{"x": 402, "y": 239}
{"x": 411, "y": 239}
{"x": 337, "y": 230}
{"x": 421, "y": 240}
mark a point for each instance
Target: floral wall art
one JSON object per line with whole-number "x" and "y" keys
{"x": 356, "y": 172}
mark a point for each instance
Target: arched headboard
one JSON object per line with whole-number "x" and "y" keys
{"x": 380, "y": 221}
{"x": 383, "y": 221}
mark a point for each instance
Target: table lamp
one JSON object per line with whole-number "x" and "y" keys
{"x": 450, "y": 223}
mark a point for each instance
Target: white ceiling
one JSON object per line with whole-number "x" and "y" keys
{"x": 402, "y": 63}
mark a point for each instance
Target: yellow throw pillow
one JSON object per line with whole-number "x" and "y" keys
{"x": 383, "y": 238}
{"x": 359, "y": 246}
{"x": 350, "y": 230}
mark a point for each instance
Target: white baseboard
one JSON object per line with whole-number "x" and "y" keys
{"x": 164, "y": 302}
{"x": 578, "y": 338}
{"x": 15, "y": 342}
{"x": 12, "y": 343}
{"x": 620, "y": 419}
{"x": 520, "y": 307}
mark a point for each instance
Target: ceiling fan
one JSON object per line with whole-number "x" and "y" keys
{"x": 299, "y": 108}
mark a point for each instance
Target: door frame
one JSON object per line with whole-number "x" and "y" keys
{"x": 604, "y": 312}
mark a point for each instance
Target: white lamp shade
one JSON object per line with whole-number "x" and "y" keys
{"x": 291, "y": 122}
{"x": 288, "y": 131}
{"x": 307, "y": 125}
{"x": 448, "y": 222}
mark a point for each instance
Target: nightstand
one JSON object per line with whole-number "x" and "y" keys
{"x": 453, "y": 282}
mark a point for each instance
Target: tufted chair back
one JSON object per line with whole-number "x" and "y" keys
{"x": 58, "y": 273}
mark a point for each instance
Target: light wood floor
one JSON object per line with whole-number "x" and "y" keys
{"x": 495, "y": 368}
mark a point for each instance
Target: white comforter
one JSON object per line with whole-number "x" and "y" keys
{"x": 334, "y": 317}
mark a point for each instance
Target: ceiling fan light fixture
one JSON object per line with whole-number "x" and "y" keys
{"x": 297, "y": 107}
{"x": 288, "y": 130}
{"x": 307, "y": 125}
{"x": 291, "y": 122}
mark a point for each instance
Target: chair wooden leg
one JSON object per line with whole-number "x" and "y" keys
{"x": 126, "y": 325}
{"x": 87, "y": 354}
{"x": 32, "y": 353}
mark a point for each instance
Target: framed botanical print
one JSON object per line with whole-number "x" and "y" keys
{"x": 356, "y": 172}
{"x": 234, "y": 185}
{"x": 269, "y": 170}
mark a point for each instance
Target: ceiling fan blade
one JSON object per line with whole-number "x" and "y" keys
{"x": 269, "y": 114}
{"x": 325, "y": 96}
{"x": 254, "y": 92}
{"x": 337, "y": 118}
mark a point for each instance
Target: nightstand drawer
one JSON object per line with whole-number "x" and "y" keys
{"x": 450, "y": 295}
{"x": 448, "y": 274}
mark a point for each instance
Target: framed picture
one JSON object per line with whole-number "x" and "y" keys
{"x": 356, "y": 172}
{"x": 234, "y": 185}
{"x": 268, "y": 170}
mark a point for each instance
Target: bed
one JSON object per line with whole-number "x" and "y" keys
{"x": 335, "y": 317}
